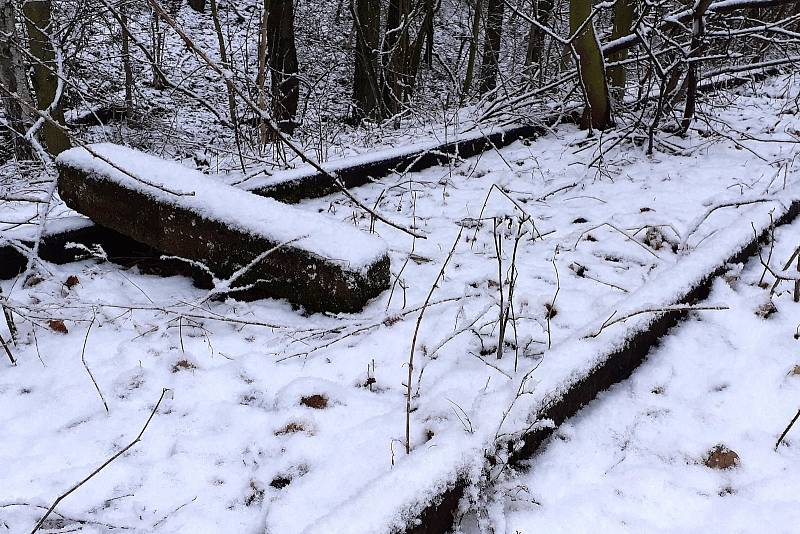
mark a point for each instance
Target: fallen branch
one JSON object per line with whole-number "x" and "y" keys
{"x": 8, "y": 351}
{"x": 788, "y": 428}
{"x": 666, "y": 309}
{"x": 103, "y": 466}
{"x": 86, "y": 366}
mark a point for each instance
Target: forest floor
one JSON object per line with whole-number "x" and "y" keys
{"x": 641, "y": 457}
{"x": 290, "y": 421}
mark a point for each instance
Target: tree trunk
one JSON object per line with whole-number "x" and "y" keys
{"x": 698, "y": 30}
{"x": 12, "y": 76}
{"x": 367, "y": 100}
{"x": 423, "y": 38}
{"x": 261, "y": 76}
{"x": 542, "y": 11}
{"x": 283, "y": 62}
{"x": 473, "y": 49}
{"x": 491, "y": 45}
{"x": 198, "y": 5}
{"x": 126, "y": 61}
{"x": 45, "y": 81}
{"x": 624, "y": 11}
{"x": 591, "y": 67}
{"x": 395, "y": 50}
{"x": 223, "y": 56}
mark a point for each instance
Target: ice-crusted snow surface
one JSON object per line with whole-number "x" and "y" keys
{"x": 634, "y": 459}
{"x": 177, "y": 185}
{"x": 234, "y": 447}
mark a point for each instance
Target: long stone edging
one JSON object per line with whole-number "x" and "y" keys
{"x": 586, "y": 366}
{"x": 294, "y": 186}
{"x": 270, "y": 249}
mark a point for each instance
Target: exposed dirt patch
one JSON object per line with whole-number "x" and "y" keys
{"x": 721, "y": 457}
{"x": 291, "y": 428}
{"x": 316, "y": 401}
{"x": 57, "y": 325}
{"x": 183, "y": 365}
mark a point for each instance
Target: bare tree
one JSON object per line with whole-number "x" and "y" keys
{"x": 495, "y": 12}
{"x": 283, "y": 62}
{"x": 591, "y": 66}
{"x": 367, "y": 100}
{"x": 12, "y": 76}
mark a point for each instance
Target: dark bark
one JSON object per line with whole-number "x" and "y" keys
{"x": 624, "y": 11}
{"x": 367, "y": 99}
{"x": 542, "y": 11}
{"x": 198, "y": 5}
{"x": 126, "y": 61}
{"x": 491, "y": 45}
{"x": 473, "y": 49}
{"x": 395, "y": 49}
{"x": 283, "y": 62}
{"x": 698, "y": 29}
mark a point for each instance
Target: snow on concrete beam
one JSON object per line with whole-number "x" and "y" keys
{"x": 305, "y": 182}
{"x": 315, "y": 261}
{"x": 428, "y": 485}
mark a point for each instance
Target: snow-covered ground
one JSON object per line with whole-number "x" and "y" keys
{"x": 635, "y": 459}
{"x": 280, "y": 418}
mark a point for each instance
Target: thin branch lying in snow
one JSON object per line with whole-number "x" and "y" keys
{"x": 86, "y": 366}
{"x": 788, "y": 428}
{"x": 695, "y": 225}
{"x": 224, "y": 286}
{"x": 210, "y": 315}
{"x": 467, "y": 326}
{"x": 103, "y": 466}
{"x": 664, "y": 309}
{"x": 72, "y": 519}
{"x": 621, "y": 231}
{"x": 359, "y": 328}
{"x": 416, "y": 332}
{"x": 785, "y": 273}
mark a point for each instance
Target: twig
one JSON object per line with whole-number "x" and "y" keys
{"x": 414, "y": 339}
{"x": 666, "y": 309}
{"x": 8, "y": 351}
{"x": 552, "y": 309}
{"x": 96, "y": 471}
{"x": 788, "y": 428}
{"x": 695, "y": 225}
{"x": 83, "y": 359}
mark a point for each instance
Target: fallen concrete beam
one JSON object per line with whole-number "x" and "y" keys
{"x": 296, "y": 185}
{"x": 613, "y": 367}
{"x": 57, "y": 247}
{"x": 315, "y": 261}
{"x": 571, "y": 375}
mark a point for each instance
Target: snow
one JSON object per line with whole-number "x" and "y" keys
{"x": 263, "y": 217}
{"x": 234, "y": 421}
{"x": 408, "y": 150}
{"x": 635, "y": 457}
